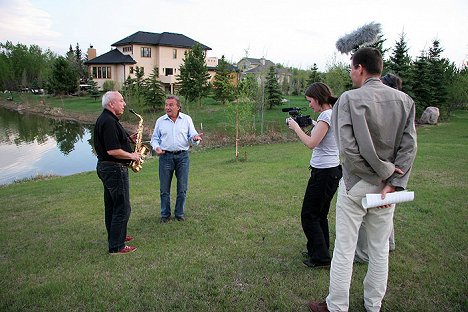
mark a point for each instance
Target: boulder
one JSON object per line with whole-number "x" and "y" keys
{"x": 430, "y": 116}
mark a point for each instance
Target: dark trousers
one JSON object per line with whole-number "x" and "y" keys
{"x": 114, "y": 177}
{"x": 321, "y": 188}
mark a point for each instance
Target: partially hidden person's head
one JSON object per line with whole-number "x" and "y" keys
{"x": 365, "y": 63}
{"x": 393, "y": 81}
{"x": 114, "y": 102}
{"x": 319, "y": 95}
{"x": 172, "y": 106}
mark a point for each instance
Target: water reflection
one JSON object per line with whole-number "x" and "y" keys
{"x": 31, "y": 145}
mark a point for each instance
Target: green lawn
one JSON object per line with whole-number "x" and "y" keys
{"x": 240, "y": 247}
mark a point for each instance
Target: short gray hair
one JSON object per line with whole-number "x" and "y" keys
{"x": 107, "y": 98}
{"x": 175, "y": 97}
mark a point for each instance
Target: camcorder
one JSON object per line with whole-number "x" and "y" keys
{"x": 295, "y": 113}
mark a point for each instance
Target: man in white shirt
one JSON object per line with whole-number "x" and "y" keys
{"x": 173, "y": 133}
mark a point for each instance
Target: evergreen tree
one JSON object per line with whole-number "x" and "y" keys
{"x": 193, "y": 80}
{"x": 400, "y": 63}
{"x": 379, "y": 45}
{"x": 273, "y": 90}
{"x": 79, "y": 64}
{"x": 439, "y": 75}
{"x": 70, "y": 54}
{"x": 314, "y": 76}
{"x": 223, "y": 87}
{"x": 133, "y": 89}
{"x": 421, "y": 84}
{"x": 154, "y": 91}
{"x": 63, "y": 79}
{"x": 458, "y": 89}
{"x": 93, "y": 88}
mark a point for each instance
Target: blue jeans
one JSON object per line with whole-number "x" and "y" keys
{"x": 168, "y": 164}
{"x": 114, "y": 177}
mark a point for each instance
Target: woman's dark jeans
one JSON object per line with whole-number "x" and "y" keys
{"x": 321, "y": 188}
{"x": 114, "y": 177}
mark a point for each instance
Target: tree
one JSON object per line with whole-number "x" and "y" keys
{"x": 223, "y": 87}
{"x": 458, "y": 90}
{"x": 133, "y": 89}
{"x": 93, "y": 88}
{"x": 314, "y": 76}
{"x": 193, "y": 78}
{"x": 273, "y": 90}
{"x": 23, "y": 67}
{"x": 400, "y": 63}
{"x": 420, "y": 77}
{"x": 440, "y": 76}
{"x": 63, "y": 79}
{"x": 337, "y": 78}
{"x": 248, "y": 87}
{"x": 153, "y": 91}
{"x": 378, "y": 44}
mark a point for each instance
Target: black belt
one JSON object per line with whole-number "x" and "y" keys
{"x": 110, "y": 162}
{"x": 175, "y": 152}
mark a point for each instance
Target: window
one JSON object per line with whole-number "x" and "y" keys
{"x": 145, "y": 52}
{"x": 127, "y": 49}
{"x": 174, "y": 53}
{"x": 169, "y": 71}
{"x": 102, "y": 72}
{"x": 131, "y": 69}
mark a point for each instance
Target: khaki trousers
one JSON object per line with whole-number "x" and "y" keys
{"x": 379, "y": 222}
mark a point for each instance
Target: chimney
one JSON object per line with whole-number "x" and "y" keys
{"x": 91, "y": 53}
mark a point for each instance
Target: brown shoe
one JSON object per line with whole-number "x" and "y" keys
{"x": 315, "y": 306}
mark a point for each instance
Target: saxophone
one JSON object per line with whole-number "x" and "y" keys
{"x": 136, "y": 165}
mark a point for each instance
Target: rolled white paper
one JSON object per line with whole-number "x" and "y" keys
{"x": 375, "y": 200}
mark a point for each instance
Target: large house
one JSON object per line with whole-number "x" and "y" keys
{"x": 146, "y": 50}
{"x": 259, "y": 68}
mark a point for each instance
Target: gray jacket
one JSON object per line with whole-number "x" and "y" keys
{"x": 375, "y": 132}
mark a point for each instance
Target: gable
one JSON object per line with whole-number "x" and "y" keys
{"x": 114, "y": 56}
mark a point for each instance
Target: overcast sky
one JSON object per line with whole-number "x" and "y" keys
{"x": 293, "y": 33}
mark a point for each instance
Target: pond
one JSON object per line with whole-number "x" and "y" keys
{"x": 32, "y": 145}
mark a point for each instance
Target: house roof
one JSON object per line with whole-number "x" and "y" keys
{"x": 256, "y": 61}
{"x": 163, "y": 39}
{"x": 231, "y": 68}
{"x": 114, "y": 56}
{"x": 265, "y": 68}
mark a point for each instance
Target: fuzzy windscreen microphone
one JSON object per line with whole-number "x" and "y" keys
{"x": 364, "y": 35}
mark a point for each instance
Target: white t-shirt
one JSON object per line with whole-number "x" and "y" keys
{"x": 325, "y": 155}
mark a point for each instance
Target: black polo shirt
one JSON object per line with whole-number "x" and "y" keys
{"x": 109, "y": 135}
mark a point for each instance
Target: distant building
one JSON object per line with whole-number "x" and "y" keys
{"x": 260, "y": 67}
{"x": 146, "y": 50}
{"x": 212, "y": 63}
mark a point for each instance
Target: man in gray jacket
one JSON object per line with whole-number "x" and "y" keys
{"x": 376, "y": 137}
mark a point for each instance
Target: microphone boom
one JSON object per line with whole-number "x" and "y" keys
{"x": 364, "y": 35}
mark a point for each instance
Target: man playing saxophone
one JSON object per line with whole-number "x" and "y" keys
{"x": 112, "y": 145}
{"x": 171, "y": 140}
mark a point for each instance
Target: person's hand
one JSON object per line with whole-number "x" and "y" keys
{"x": 292, "y": 124}
{"x": 198, "y": 137}
{"x": 389, "y": 189}
{"x": 135, "y": 156}
{"x": 159, "y": 151}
